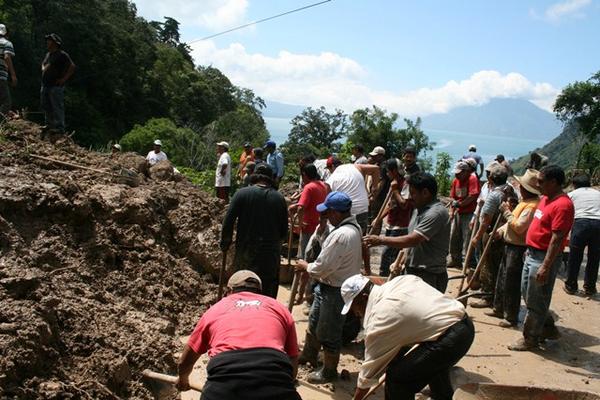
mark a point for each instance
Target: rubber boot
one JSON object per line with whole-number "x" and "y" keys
{"x": 310, "y": 351}
{"x": 328, "y": 372}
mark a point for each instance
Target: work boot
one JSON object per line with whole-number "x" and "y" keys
{"x": 328, "y": 372}
{"x": 310, "y": 351}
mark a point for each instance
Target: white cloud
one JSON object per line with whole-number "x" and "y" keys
{"x": 215, "y": 15}
{"x": 569, "y": 8}
{"x": 334, "y": 81}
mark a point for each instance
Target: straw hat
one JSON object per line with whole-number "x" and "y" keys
{"x": 530, "y": 181}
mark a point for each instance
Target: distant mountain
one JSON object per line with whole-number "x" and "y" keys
{"x": 281, "y": 110}
{"x": 499, "y": 117}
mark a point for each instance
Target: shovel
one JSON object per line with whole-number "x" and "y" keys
{"x": 162, "y": 385}
{"x": 470, "y": 250}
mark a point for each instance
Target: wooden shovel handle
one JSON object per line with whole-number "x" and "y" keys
{"x": 157, "y": 376}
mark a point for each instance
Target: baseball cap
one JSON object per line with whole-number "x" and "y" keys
{"x": 223, "y": 144}
{"x": 333, "y": 161}
{"x": 2, "y": 29}
{"x": 377, "y": 150}
{"x": 157, "y": 142}
{"x": 461, "y": 165}
{"x": 350, "y": 289}
{"x": 337, "y": 201}
{"x": 117, "y": 146}
{"x": 492, "y": 166}
{"x": 472, "y": 147}
{"x": 54, "y": 37}
{"x": 500, "y": 158}
{"x": 247, "y": 144}
{"x": 270, "y": 143}
{"x": 244, "y": 278}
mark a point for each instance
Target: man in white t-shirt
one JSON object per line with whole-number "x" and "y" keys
{"x": 585, "y": 233}
{"x": 156, "y": 155}
{"x": 223, "y": 172}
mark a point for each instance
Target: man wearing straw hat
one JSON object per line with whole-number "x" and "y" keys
{"x": 507, "y": 298}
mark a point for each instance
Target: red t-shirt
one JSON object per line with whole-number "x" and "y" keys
{"x": 462, "y": 190}
{"x": 245, "y": 320}
{"x": 399, "y": 216}
{"x": 314, "y": 193}
{"x": 551, "y": 216}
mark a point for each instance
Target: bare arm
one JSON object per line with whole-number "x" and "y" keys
{"x": 401, "y": 242}
{"x": 486, "y": 220}
{"x": 553, "y": 251}
{"x": 185, "y": 365}
{"x": 370, "y": 170}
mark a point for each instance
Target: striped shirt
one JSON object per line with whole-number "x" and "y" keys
{"x": 6, "y": 48}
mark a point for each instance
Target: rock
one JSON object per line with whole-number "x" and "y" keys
{"x": 20, "y": 287}
{"x": 162, "y": 171}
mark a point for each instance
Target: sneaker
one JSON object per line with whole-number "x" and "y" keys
{"x": 569, "y": 289}
{"x": 481, "y": 303}
{"x": 493, "y": 313}
{"x": 523, "y": 345}
{"x": 506, "y": 324}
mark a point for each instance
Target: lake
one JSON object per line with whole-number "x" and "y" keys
{"x": 453, "y": 143}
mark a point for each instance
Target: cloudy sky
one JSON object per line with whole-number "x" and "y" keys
{"x": 412, "y": 57}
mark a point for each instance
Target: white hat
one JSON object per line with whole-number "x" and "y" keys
{"x": 351, "y": 288}
{"x": 244, "y": 278}
{"x": 461, "y": 165}
{"x": 377, "y": 150}
{"x": 2, "y": 29}
{"x": 223, "y": 144}
{"x": 157, "y": 142}
{"x": 117, "y": 146}
{"x": 472, "y": 147}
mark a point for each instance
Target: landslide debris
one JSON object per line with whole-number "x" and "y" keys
{"x": 99, "y": 274}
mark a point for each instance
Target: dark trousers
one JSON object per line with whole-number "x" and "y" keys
{"x": 52, "y": 100}
{"x": 507, "y": 299}
{"x": 5, "y": 100}
{"x": 491, "y": 265}
{"x": 325, "y": 320}
{"x": 390, "y": 254}
{"x": 429, "y": 364}
{"x": 438, "y": 280}
{"x": 223, "y": 192}
{"x": 262, "y": 259}
{"x": 585, "y": 233}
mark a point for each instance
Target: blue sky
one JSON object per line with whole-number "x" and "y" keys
{"x": 412, "y": 57}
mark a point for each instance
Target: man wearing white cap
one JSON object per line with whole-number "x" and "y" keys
{"x": 7, "y": 52}
{"x": 252, "y": 345}
{"x": 223, "y": 172}
{"x": 156, "y": 155}
{"x": 401, "y": 313}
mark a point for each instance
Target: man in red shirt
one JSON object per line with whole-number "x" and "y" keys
{"x": 313, "y": 193}
{"x": 464, "y": 192}
{"x": 546, "y": 239}
{"x": 252, "y": 345}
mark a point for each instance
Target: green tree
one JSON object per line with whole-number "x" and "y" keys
{"x": 442, "y": 176}
{"x": 315, "y": 131}
{"x": 376, "y": 127}
{"x": 579, "y": 103}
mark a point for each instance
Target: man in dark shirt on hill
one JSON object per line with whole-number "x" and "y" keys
{"x": 262, "y": 224}
{"x": 57, "y": 68}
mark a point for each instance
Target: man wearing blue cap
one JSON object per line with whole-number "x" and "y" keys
{"x": 275, "y": 161}
{"x": 340, "y": 258}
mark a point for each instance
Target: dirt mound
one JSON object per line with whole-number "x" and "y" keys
{"x": 98, "y": 278}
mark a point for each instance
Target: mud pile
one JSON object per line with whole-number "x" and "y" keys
{"x": 98, "y": 278}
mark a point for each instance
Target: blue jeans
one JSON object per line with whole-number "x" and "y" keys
{"x": 52, "y": 99}
{"x": 585, "y": 233}
{"x": 325, "y": 320}
{"x": 390, "y": 254}
{"x": 537, "y": 296}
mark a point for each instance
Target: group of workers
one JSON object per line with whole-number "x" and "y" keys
{"x": 56, "y": 67}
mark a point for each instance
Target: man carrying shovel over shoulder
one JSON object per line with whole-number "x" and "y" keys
{"x": 252, "y": 345}
{"x": 398, "y": 315}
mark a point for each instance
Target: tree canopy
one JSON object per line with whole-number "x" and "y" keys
{"x": 579, "y": 103}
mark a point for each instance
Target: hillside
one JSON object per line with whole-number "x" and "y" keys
{"x": 562, "y": 150}
{"x": 499, "y": 117}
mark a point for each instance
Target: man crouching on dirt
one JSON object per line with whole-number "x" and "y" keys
{"x": 251, "y": 342}
{"x": 399, "y": 314}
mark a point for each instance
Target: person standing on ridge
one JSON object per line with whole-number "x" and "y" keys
{"x": 409, "y": 157}
{"x": 223, "y": 172}
{"x": 473, "y": 154}
{"x": 275, "y": 161}
{"x": 7, "y": 70}
{"x": 57, "y": 68}
{"x": 156, "y": 155}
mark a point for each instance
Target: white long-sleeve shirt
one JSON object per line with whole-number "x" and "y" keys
{"x": 341, "y": 254}
{"x": 402, "y": 312}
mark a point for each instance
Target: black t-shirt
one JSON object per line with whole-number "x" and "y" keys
{"x": 58, "y": 63}
{"x": 413, "y": 168}
{"x": 261, "y": 215}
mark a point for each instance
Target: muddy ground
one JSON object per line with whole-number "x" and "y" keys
{"x": 97, "y": 278}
